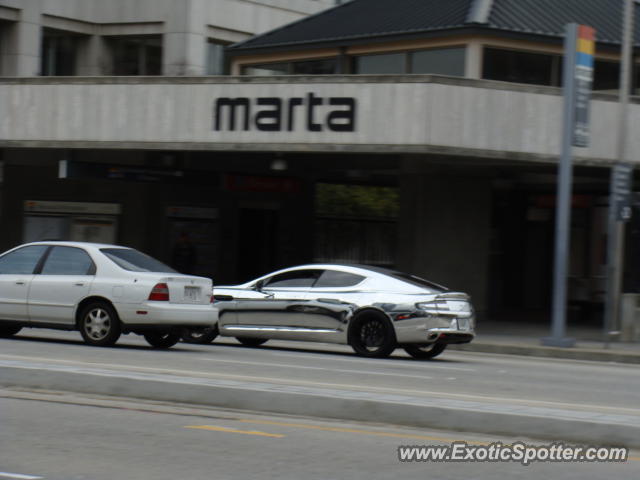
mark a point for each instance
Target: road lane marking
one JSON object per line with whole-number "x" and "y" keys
{"x": 355, "y": 430}
{"x": 233, "y": 430}
{"x": 307, "y": 367}
{"x": 386, "y": 362}
{"x": 19, "y": 476}
{"x": 393, "y": 390}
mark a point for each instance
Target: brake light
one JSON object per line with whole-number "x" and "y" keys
{"x": 160, "y": 293}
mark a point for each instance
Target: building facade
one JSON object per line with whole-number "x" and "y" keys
{"x": 324, "y": 146}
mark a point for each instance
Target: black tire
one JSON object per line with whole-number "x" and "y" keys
{"x": 162, "y": 339}
{"x": 99, "y": 324}
{"x": 371, "y": 335}
{"x": 8, "y": 330}
{"x": 202, "y": 337}
{"x": 425, "y": 352}
{"x": 251, "y": 342}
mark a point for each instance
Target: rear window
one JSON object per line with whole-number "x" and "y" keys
{"x": 135, "y": 261}
{"x": 420, "y": 282}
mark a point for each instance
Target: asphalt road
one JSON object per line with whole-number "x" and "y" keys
{"x": 71, "y": 437}
{"x": 606, "y": 388}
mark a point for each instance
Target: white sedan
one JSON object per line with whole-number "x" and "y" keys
{"x": 101, "y": 290}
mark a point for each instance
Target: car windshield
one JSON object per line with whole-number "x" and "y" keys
{"x": 135, "y": 261}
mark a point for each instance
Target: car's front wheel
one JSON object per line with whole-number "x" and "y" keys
{"x": 251, "y": 342}
{"x": 371, "y": 335}
{"x": 162, "y": 339}
{"x": 99, "y": 324}
{"x": 7, "y": 330}
{"x": 206, "y": 335}
{"x": 425, "y": 352}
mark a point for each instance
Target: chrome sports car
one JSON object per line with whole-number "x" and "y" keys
{"x": 372, "y": 309}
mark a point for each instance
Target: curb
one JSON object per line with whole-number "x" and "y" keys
{"x": 587, "y": 354}
{"x": 496, "y": 419}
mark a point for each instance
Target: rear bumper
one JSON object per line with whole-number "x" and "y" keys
{"x": 168, "y": 314}
{"x": 423, "y": 330}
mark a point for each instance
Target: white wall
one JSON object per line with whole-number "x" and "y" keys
{"x": 401, "y": 114}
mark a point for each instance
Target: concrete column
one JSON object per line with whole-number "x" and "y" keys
{"x": 22, "y": 42}
{"x": 444, "y": 230}
{"x": 93, "y": 57}
{"x": 185, "y": 38}
{"x": 473, "y": 62}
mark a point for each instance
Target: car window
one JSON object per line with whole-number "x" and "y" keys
{"x": 22, "y": 261}
{"x": 333, "y": 278}
{"x": 68, "y": 261}
{"x": 135, "y": 261}
{"x": 295, "y": 278}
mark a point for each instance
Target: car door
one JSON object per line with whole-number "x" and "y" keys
{"x": 64, "y": 279}
{"x": 332, "y": 299}
{"x": 16, "y": 274}
{"x": 277, "y": 301}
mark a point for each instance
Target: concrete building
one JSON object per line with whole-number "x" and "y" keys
{"x": 335, "y": 140}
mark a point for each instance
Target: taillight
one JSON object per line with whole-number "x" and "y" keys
{"x": 160, "y": 293}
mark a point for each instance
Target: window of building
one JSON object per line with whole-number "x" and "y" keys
{"x": 440, "y": 61}
{"x": 314, "y": 67}
{"x": 521, "y": 67}
{"x": 137, "y": 55}
{"x": 380, "y": 63}
{"x": 59, "y": 51}
{"x": 306, "y": 67}
{"x": 356, "y": 224}
{"x": 267, "y": 69}
{"x": 606, "y": 75}
{"x": 215, "y": 58}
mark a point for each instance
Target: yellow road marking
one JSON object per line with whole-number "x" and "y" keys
{"x": 233, "y": 430}
{"x": 356, "y": 431}
{"x": 371, "y": 432}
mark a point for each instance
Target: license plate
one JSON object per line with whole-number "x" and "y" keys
{"x": 192, "y": 293}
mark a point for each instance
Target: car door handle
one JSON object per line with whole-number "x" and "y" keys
{"x": 79, "y": 284}
{"x": 20, "y": 282}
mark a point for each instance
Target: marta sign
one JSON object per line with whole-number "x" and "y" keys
{"x": 583, "y": 78}
{"x": 275, "y": 114}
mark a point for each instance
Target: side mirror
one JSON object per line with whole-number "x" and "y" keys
{"x": 259, "y": 285}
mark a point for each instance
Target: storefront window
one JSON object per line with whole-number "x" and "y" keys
{"x": 441, "y": 61}
{"x": 356, "y": 224}
{"x": 380, "y": 64}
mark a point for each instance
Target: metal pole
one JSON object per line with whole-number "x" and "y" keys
{"x": 615, "y": 230}
{"x": 563, "y": 209}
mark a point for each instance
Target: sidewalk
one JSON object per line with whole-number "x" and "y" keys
{"x": 525, "y": 339}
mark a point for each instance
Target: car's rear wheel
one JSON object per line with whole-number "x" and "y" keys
{"x": 206, "y": 335}
{"x": 371, "y": 335}
{"x": 251, "y": 342}
{"x": 8, "y": 330}
{"x": 162, "y": 339}
{"x": 99, "y": 324}
{"x": 425, "y": 352}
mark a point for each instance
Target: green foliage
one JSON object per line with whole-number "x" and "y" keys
{"x": 357, "y": 201}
